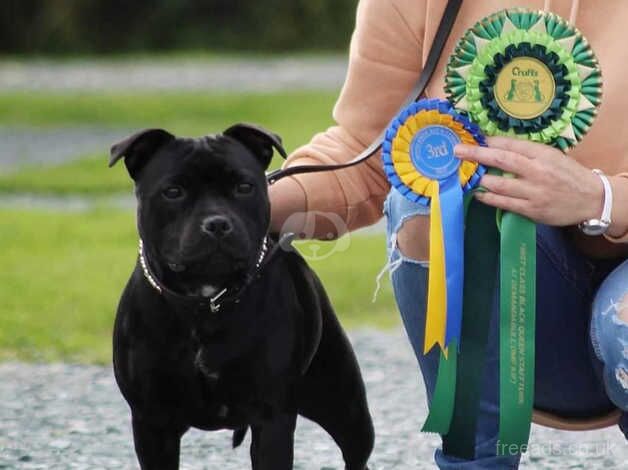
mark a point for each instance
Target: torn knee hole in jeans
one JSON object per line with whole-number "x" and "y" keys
{"x": 412, "y": 247}
{"x": 619, "y": 311}
{"x": 622, "y": 309}
{"x": 411, "y": 240}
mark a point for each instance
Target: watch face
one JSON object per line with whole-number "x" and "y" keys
{"x": 594, "y": 227}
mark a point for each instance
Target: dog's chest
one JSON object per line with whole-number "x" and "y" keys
{"x": 236, "y": 395}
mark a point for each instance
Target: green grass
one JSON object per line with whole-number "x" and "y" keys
{"x": 296, "y": 116}
{"x": 62, "y": 274}
{"x": 87, "y": 176}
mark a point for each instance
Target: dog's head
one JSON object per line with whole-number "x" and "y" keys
{"x": 203, "y": 207}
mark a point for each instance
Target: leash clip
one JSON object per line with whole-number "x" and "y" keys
{"x": 213, "y": 306}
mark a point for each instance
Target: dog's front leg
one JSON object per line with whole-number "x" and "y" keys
{"x": 157, "y": 447}
{"x": 272, "y": 444}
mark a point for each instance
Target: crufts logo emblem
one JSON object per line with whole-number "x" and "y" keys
{"x": 524, "y": 88}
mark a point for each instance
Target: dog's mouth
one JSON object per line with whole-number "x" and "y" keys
{"x": 221, "y": 258}
{"x": 177, "y": 267}
{"x": 200, "y": 275}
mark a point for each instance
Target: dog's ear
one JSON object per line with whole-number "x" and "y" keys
{"x": 258, "y": 140}
{"x": 138, "y": 148}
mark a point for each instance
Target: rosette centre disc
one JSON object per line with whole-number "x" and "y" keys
{"x": 432, "y": 152}
{"x": 525, "y": 88}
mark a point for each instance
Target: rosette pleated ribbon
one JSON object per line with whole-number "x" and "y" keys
{"x": 527, "y": 74}
{"x": 419, "y": 162}
{"x": 531, "y": 75}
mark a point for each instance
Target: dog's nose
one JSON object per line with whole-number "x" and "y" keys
{"x": 217, "y": 226}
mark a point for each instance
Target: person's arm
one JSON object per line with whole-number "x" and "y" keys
{"x": 384, "y": 63}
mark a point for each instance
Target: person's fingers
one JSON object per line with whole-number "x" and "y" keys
{"x": 524, "y": 147}
{"x": 505, "y": 160}
{"x": 513, "y": 187}
{"x": 507, "y": 203}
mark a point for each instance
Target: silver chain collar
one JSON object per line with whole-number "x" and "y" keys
{"x": 214, "y": 306}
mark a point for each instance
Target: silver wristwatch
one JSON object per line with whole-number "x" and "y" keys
{"x": 599, "y": 226}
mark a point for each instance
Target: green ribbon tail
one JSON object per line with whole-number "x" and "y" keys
{"x": 442, "y": 406}
{"x": 481, "y": 266}
{"x": 517, "y": 326}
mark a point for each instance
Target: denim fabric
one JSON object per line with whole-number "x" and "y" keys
{"x": 609, "y": 334}
{"x": 567, "y": 371}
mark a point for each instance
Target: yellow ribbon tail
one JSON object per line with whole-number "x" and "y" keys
{"x": 435, "y": 321}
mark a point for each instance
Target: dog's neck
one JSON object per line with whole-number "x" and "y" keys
{"x": 217, "y": 295}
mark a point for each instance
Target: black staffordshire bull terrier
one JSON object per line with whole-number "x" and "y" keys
{"x": 218, "y": 326}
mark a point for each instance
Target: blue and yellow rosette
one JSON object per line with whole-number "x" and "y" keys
{"x": 419, "y": 162}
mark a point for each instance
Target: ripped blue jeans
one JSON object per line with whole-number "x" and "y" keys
{"x": 581, "y": 362}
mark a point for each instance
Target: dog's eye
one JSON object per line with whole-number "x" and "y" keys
{"x": 244, "y": 188}
{"x": 173, "y": 192}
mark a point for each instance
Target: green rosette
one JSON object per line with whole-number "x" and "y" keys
{"x": 526, "y": 74}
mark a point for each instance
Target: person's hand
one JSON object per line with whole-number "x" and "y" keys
{"x": 549, "y": 187}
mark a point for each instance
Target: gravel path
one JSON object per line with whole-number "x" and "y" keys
{"x": 73, "y": 417}
{"x": 242, "y": 75}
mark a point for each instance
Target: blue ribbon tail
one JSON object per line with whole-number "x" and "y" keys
{"x": 452, "y": 210}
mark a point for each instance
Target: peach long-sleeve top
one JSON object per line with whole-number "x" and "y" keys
{"x": 388, "y": 49}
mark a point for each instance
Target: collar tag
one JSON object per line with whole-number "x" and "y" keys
{"x": 213, "y": 306}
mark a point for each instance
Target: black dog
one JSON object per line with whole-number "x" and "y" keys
{"x": 218, "y": 327}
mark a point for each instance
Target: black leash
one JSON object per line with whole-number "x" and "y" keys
{"x": 444, "y": 28}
